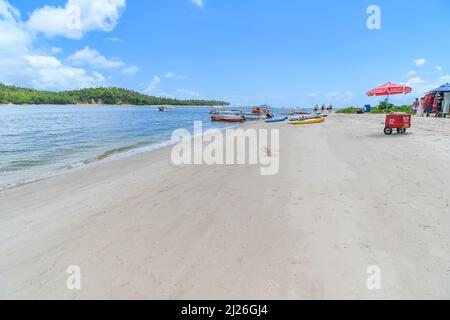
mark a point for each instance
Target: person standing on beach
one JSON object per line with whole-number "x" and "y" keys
{"x": 415, "y": 106}
{"x": 323, "y": 108}
{"x": 446, "y": 104}
{"x": 330, "y": 108}
{"x": 316, "y": 108}
{"x": 421, "y": 108}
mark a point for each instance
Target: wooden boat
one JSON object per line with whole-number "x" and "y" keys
{"x": 307, "y": 121}
{"x": 227, "y": 118}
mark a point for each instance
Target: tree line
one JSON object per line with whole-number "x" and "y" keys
{"x": 104, "y": 95}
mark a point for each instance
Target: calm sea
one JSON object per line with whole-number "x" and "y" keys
{"x": 38, "y": 141}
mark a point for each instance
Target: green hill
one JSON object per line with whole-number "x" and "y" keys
{"x": 107, "y": 96}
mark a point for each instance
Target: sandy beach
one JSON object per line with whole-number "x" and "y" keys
{"x": 346, "y": 197}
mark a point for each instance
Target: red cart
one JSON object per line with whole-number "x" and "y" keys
{"x": 399, "y": 121}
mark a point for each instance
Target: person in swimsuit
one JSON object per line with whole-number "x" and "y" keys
{"x": 316, "y": 108}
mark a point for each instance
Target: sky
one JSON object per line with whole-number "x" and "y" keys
{"x": 278, "y": 52}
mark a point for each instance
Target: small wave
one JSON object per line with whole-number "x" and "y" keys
{"x": 112, "y": 152}
{"x": 21, "y": 164}
{"x": 122, "y": 152}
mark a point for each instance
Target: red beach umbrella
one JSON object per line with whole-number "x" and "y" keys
{"x": 388, "y": 89}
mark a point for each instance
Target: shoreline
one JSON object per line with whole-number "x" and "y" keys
{"x": 346, "y": 198}
{"x": 110, "y": 155}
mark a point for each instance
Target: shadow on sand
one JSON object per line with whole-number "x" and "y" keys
{"x": 395, "y": 135}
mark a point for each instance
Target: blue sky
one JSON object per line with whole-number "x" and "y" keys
{"x": 284, "y": 52}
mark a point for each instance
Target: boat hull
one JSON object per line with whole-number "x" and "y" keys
{"x": 255, "y": 116}
{"x": 309, "y": 121}
{"x": 282, "y": 119}
{"x": 227, "y": 119}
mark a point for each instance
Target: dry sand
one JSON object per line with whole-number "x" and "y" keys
{"x": 346, "y": 197}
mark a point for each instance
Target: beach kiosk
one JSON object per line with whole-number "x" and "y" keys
{"x": 444, "y": 93}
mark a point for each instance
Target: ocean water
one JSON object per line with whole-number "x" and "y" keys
{"x": 39, "y": 141}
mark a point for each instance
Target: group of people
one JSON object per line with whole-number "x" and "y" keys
{"x": 329, "y": 109}
{"x": 433, "y": 103}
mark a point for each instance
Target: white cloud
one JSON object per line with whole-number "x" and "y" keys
{"x": 22, "y": 63}
{"x": 13, "y": 34}
{"x": 188, "y": 93}
{"x": 170, "y": 75}
{"x": 420, "y": 62}
{"x": 76, "y": 18}
{"x": 153, "y": 86}
{"x": 421, "y": 86}
{"x": 98, "y": 76}
{"x": 340, "y": 97}
{"x": 43, "y": 62}
{"x": 57, "y": 76}
{"x": 56, "y": 50}
{"x": 411, "y": 74}
{"x": 446, "y": 78}
{"x": 130, "y": 70}
{"x": 46, "y": 72}
{"x": 414, "y": 81}
{"x": 198, "y": 3}
{"x": 88, "y": 56}
{"x": 115, "y": 39}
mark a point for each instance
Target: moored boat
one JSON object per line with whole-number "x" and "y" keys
{"x": 302, "y": 112}
{"x": 306, "y": 121}
{"x": 255, "y": 116}
{"x": 278, "y": 119}
{"x": 232, "y": 112}
{"x": 228, "y": 118}
{"x": 259, "y": 113}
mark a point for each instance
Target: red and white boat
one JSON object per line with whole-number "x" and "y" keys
{"x": 228, "y": 118}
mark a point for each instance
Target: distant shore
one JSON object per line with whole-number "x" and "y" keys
{"x": 347, "y": 197}
{"x": 93, "y": 96}
{"x": 106, "y": 105}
